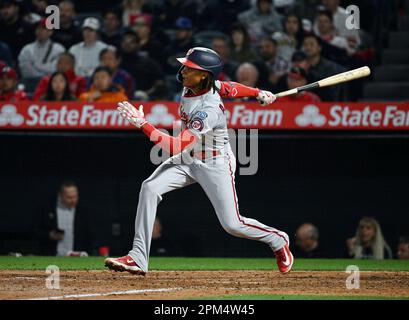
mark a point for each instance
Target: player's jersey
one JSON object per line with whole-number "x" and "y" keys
{"x": 205, "y": 116}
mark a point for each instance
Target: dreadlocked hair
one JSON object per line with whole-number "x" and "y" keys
{"x": 208, "y": 83}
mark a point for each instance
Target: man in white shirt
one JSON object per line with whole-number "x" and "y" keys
{"x": 87, "y": 52}
{"x": 39, "y": 58}
{"x": 65, "y": 227}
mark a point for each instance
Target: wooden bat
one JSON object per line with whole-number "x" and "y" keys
{"x": 330, "y": 81}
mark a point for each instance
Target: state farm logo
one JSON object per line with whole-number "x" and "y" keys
{"x": 160, "y": 115}
{"x": 310, "y": 116}
{"x": 9, "y": 115}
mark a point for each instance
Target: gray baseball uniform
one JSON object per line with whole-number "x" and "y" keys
{"x": 205, "y": 116}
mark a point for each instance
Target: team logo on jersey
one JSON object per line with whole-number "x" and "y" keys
{"x": 196, "y": 124}
{"x": 184, "y": 117}
{"x": 201, "y": 115}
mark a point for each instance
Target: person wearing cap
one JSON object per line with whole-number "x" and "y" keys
{"x": 148, "y": 45}
{"x": 262, "y": 20}
{"x": 87, "y": 52}
{"x": 14, "y": 30}
{"x": 39, "y": 58}
{"x": 298, "y": 77}
{"x": 112, "y": 26}
{"x": 70, "y": 29}
{"x": 9, "y": 91}
{"x": 183, "y": 42}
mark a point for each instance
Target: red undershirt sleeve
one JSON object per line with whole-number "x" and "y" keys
{"x": 230, "y": 89}
{"x": 173, "y": 145}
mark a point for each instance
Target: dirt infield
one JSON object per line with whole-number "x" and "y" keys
{"x": 197, "y": 284}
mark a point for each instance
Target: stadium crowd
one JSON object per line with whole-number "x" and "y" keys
{"x": 108, "y": 53}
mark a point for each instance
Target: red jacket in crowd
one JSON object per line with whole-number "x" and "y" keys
{"x": 78, "y": 85}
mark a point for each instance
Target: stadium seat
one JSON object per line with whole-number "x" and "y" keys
{"x": 392, "y": 73}
{"x": 205, "y": 38}
{"x": 386, "y": 91}
{"x": 395, "y": 56}
{"x": 399, "y": 40}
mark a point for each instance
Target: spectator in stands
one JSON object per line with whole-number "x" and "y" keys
{"x": 307, "y": 242}
{"x": 112, "y": 25}
{"x": 161, "y": 244}
{"x": 180, "y": 45}
{"x": 64, "y": 226}
{"x": 297, "y": 77}
{"x": 58, "y": 88}
{"x": 148, "y": 45}
{"x": 291, "y": 38}
{"x": 103, "y": 89}
{"x": 247, "y": 74}
{"x": 340, "y": 16}
{"x": 87, "y": 52}
{"x": 5, "y": 54}
{"x": 171, "y": 10}
{"x": 39, "y": 58}
{"x": 368, "y": 242}
{"x": 132, "y": 9}
{"x": 403, "y": 248}
{"x": 327, "y": 32}
{"x": 148, "y": 75}
{"x": 261, "y": 21}
{"x": 10, "y": 91}
{"x": 13, "y": 29}
{"x": 320, "y": 67}
{"x": 65, "y": 64}
{"x": 221, "y": 45}
{"x": 111, "y": 57}
{"x": 241, "y": 50}
{"x": 271, "y": 66}
{"x": 69, "y": 33}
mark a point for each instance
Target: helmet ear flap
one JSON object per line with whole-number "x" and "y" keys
{"x": 179, "y": 74}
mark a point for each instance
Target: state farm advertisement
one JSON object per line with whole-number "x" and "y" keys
{"x": 165, "y": 114}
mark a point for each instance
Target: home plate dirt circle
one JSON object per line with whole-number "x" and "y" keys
{"x": 177, "y": 285}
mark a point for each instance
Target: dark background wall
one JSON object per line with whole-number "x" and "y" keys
{"x": 329, "y": 180}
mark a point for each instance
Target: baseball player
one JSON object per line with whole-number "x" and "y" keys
{"x": 200, "y": 153}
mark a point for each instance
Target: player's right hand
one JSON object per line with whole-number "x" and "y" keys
{"x": 265, "y": 97}
{"x": 130, "y": 113}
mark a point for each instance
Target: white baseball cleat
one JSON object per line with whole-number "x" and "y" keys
{"x": 125, "y": 263}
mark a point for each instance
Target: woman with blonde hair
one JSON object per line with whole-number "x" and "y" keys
{"x": 368, "y": 242}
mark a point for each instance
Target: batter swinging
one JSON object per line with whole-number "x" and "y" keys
{"x": 213, "y": 166}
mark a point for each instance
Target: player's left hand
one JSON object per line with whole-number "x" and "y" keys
{"x": 266, "y": 97}
{"x": 130, "y": 113}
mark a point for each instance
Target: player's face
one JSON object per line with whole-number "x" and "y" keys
{"x": 69, "y": 197}
{"x": 192, "y": 77}
{"x": 403, "y": 251}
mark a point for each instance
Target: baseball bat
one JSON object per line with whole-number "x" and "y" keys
{"x": 330, "y": 81}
